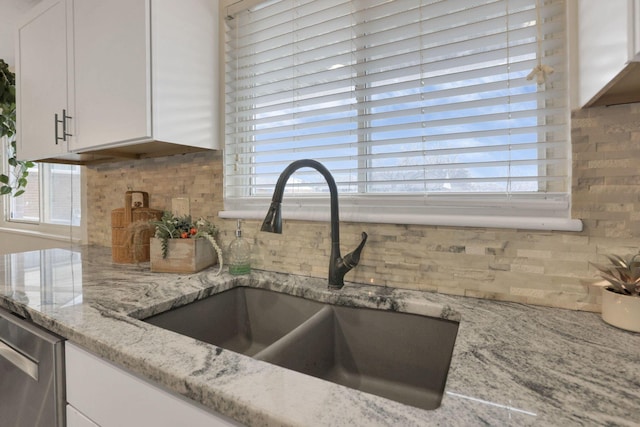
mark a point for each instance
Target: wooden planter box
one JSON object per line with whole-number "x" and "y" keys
{"x": 183, "y": 256}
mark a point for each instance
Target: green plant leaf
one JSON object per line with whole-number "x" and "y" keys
{"x": 8, "y": 128}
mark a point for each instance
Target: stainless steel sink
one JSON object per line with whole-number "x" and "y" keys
{"x": 404, "y": 357}
{"x": 244, "y": 320}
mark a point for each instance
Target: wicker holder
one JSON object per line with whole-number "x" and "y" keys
{"x": 131, "y": 231}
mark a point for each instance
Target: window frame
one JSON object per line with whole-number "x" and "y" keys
{"x": 451, "y": 209}
{"x": 66, "y": 233}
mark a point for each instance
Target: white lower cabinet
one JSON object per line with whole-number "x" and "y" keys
{"x": 100, "y": 393}
{"x": 75, "y": 418}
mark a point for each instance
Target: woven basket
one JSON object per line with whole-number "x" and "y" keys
{"x": 130, "y": 231}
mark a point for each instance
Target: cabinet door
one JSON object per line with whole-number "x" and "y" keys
{"x": 111, "y": 73}
{"x": 41, "y": 80}
{"x": 184, "y": 43}
{"x": 113, "y": 397}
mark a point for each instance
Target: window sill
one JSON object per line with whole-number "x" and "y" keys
{"x": 479, "y": 221}
{"x": 548, "y": 212}
{"x": 49, "y": 235}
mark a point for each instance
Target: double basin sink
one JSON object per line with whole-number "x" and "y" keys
{"x": 400, "y": 356}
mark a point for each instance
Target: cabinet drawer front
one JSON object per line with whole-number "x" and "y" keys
{"x": 76, "y": 419}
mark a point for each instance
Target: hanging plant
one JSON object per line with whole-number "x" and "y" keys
{"x": 16, "y": 182}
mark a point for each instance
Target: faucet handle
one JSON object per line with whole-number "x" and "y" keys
{"x": 351, "y": 259}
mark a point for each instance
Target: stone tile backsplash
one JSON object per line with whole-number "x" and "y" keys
{"x": 544, "y": 268}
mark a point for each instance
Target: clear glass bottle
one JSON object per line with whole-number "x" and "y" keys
{"x": 239, "y": 254}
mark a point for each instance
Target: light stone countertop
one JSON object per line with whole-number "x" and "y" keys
{"x": 513, "y": 364}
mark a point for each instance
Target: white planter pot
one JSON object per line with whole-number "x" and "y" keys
{"x": 622, "y": 311}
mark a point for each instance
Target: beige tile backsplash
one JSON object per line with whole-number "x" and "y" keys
{"x": 545, "y": 268}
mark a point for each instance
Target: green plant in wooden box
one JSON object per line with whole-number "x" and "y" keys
{"x": 183, "y": 227}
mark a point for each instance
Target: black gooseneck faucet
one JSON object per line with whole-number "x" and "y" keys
{"x": 338, "y": 266}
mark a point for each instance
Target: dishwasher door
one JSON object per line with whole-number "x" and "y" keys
{"x": 31, "y": 374}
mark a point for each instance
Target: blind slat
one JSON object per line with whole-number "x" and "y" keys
{"x": 397, "y": 97}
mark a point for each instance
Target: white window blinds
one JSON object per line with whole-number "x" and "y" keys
{"x": 420, "y": 109}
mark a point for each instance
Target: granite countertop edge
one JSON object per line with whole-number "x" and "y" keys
{"x": 512, "y": 363}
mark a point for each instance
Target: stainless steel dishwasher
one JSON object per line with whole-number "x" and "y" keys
{"x": 31, "y": 374}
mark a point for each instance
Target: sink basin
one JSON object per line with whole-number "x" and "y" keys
{"x": 244, "y": 320}
{"x": 400, "y": 356}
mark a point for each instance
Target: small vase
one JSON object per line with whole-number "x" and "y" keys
{"x": 622, "y": 311}
{"x": 183, "y": 255}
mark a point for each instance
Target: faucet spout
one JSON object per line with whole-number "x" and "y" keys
{"x": 273, "y": 221}
{"x": 338, "y": 266}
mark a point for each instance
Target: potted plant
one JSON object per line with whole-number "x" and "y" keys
{"x": 621, "y": 293}
{"x": 181, "y": 245}
{"x": 16, "y": 183}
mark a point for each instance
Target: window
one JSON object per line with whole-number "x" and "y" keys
{"x": 424, "y": 111}
{"x": 51, "y": 197}
{"x": 51, "y": 201}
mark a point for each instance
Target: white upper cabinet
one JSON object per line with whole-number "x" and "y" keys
{"x": 608, "y": 51}
{"x": 141, "y": 80}
{"x": 42, "y": 81}
{"x": 111, "y": 78}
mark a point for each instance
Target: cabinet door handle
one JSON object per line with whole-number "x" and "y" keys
{"x": 64, "y": 125}
{"x": 58, "y": 138}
